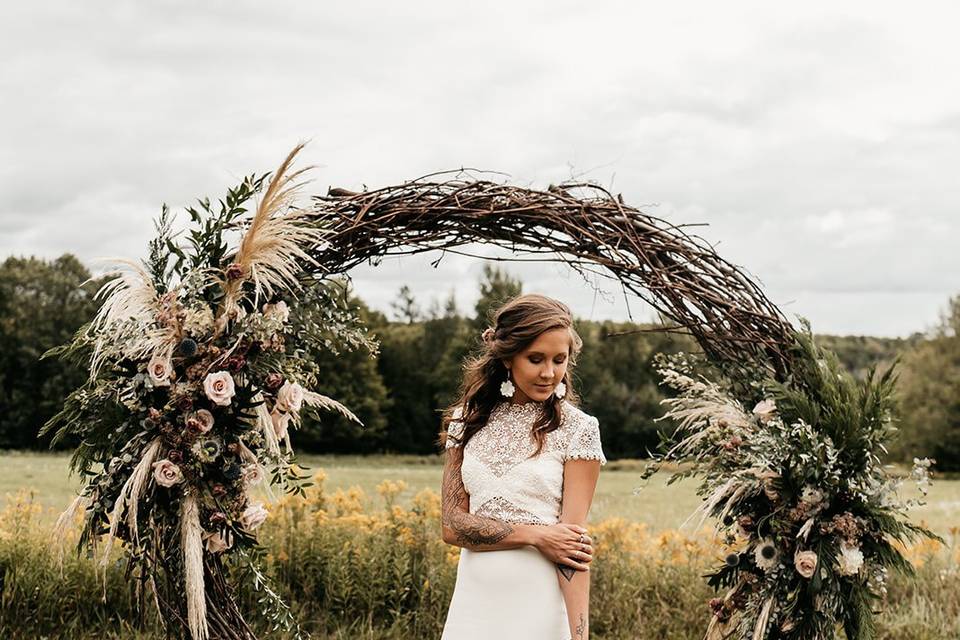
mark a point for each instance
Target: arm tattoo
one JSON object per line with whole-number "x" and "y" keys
{"x": 471, "y": 530}
{"x": 580, "y": 627}
{"x": 566, "y": 572}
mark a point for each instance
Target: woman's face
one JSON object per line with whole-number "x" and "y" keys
{"x": 539, "y": 368}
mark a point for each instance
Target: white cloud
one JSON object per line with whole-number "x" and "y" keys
{"x": 818, "y": 142}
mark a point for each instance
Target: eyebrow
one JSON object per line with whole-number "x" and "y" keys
{"x": 541, "y": 353}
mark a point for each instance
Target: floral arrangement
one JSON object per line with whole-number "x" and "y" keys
{"x": 199, "y": 370}
{"x": 798, "y": 487}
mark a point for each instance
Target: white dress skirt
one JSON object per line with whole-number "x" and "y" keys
{"x": 513, "y": 594}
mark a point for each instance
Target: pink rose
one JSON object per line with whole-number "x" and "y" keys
{"x": 159, "y": 370}
{"x": 290, "y": 397}
{"x": 166, "y": 473}
{"x": 805, "y": 563}
{"x": 217, "y": 542}
{"x": 219, "y": 387}
{"x": 253, "y": 516}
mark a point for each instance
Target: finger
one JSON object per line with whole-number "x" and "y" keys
{"x": 579, "y": 566}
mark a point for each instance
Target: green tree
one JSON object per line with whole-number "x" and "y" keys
{"x": 405, "y": 306}
{"x": 496, "y": 287}
{"x": 930, "y": 395}
{"x": 618, "y": 383}
{"x": 42, "y": 304}
{"x": 346, "y": 371}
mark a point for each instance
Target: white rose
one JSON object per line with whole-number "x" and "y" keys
{"x": 281, "y": 421}
{"x": 159, "y": 369}
{"x": 217, "y": 542}
{"x": 850, "y": 560}
{"x": 278, "y": 310}
{"x": 166, "y": 473}
{"x": 290, "y": 396}
{"x": 253, "y": 516}
{"x": 219, "y": 387}
{"x": 765, "y": 410}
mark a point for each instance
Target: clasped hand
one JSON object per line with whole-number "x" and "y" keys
{"x": 561, "y": 543}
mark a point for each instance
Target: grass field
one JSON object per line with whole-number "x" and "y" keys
{"x": 658, "y": 505}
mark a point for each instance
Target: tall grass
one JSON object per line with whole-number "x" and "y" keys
{"x": 357, "y": 567}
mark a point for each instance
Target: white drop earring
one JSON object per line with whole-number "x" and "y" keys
{"x": 506, "y": 388}
{"x": 560, "y": 390}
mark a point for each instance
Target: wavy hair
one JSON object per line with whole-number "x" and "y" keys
{"x": 514, "y": 327}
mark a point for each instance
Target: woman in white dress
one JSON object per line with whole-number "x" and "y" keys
{"x": 521, "y": 467}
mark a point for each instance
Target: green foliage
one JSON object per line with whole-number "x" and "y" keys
{"x": 854, "y": 414}
{"x": 930, "y": 395}
{"x": 42, "y": 303}
{"x": 619, "y": 384}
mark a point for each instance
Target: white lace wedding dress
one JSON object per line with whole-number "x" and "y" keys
{"x": 514, "y": 594}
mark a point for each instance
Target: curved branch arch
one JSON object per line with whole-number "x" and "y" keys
{"x": 580, "y": 223}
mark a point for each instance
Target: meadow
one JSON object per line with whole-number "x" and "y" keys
{"x": 620, "y": 491}
{"x": 361, "y": 558}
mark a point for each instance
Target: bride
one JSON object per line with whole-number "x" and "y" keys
{"x": 521, "y": 467}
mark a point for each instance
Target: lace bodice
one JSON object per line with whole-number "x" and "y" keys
{"x": 503, "y": 481}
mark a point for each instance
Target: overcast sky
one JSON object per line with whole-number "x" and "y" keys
{"x": 820, "y": 145}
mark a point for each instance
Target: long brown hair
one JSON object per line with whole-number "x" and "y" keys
{"x": 514, "y": 326}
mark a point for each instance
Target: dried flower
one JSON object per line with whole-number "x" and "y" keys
{"x": 273, "y": 381}
{"x": 236, "y": 362}
{"x": 771, "y": 481}
{"x": 200, "y": 422}
{"x": 219, "y": 387}
{"x": 206, "y": 450}
{"x": 765, "y": 410}
{"x": 166, "y": 473}
{"x": 765, "y": 554}
{"x": 159, "y": 369}
{"x": 234, "y": 271}
{"x": 187, "y": 347}
{"x": 850, "y": 560}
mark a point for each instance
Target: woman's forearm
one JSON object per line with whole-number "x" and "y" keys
{"x": 576, "y": 596}
{"x": 485, "y": 534}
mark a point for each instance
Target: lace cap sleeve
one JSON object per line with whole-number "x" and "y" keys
{"x": 585, "y": 440}
{"x": 455, "y": 429}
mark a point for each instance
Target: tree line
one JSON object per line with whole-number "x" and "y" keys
{"x": 399, "y": 388}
